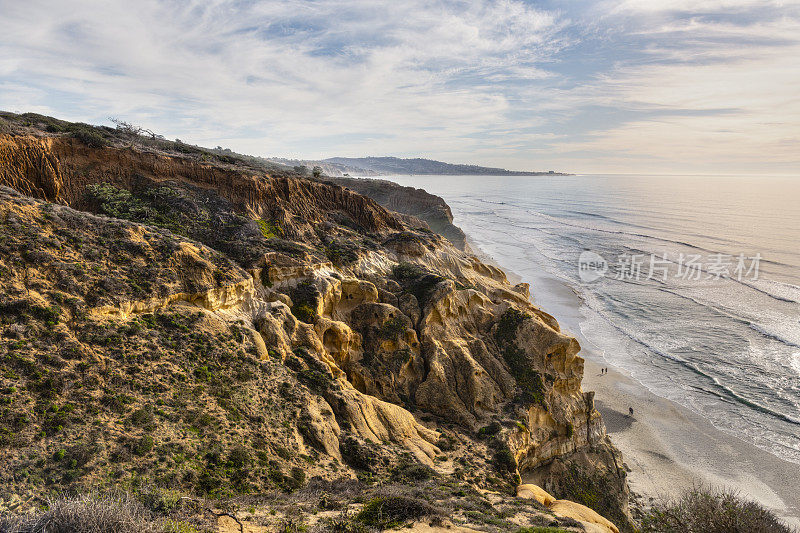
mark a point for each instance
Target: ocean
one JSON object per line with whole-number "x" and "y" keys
{"x": 690, "y": 284}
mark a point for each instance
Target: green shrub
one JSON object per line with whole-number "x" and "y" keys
{"x": 490, "y": 430}
{"x": 594, "y": 490}
{"x": 304, "y": 313}
{"x": 269, "y": 229}
{"x": 412, "y": 472}
{"x": 519, "y": 364}
{"x": 504, "y": 460}
{"x": 118, "y": 203}
{"x": 506, "y": 331}
{"x": 357, "y": 455}
{"x": 239, "y": 457}
{"x": 392, "y": 328}
{"x": 144, "y": 445}
{"x": 407, "y": 271}
{"x": 711, "y": 511}
{"x": 341, "y": 254}
{"x": 541, "y": 530}
{"x": 304, "y": 299}
{"x": 392, "y": 511}
{"x": 416, "y": 280}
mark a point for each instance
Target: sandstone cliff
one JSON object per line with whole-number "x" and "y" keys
{"x": 223, "y": 330}
{"x": 427, "y": 207}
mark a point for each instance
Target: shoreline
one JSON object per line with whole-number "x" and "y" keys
{"x": 666, "y": 447}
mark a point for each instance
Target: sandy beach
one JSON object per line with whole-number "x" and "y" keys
{"x": 667, "y": 447}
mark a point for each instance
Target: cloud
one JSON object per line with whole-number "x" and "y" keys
{"x": 594, "y": 87}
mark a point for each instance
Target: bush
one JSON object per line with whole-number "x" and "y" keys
{"x": 357, "y": 455}
{"x": 144, "y": 445}
{"x": 305, "y": 297}
{"x": 413, "y": 472}
{"x": 304, "y": 313}
{"x": 392, "y": 511}
{"x": 541, "y": 530}
{"x": 711, "y": 511}
{"x": 592, "y": 489}
{"x": 269, "y": 229}
{"x": 416, "y": 280}
{"x": 89, "y": 137}
{"x": 392, "y": 328}
{"x": 91, "y": 513}
{"x": 519, "y": 364}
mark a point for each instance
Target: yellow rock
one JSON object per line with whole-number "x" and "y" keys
{"x": 591, "y": 520}
{"x": 535, "y": 492}
{"x": 581, "y": 513}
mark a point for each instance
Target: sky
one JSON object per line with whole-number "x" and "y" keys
{"x": 610, "y": 86}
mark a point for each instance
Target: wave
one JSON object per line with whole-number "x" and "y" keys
{"x": 772, "y": 335}
{"x": 722, "y": 390}
{"x": 759, "y": 328}
{"x": 781, "y": 289}
{"x": 629, "y": 233}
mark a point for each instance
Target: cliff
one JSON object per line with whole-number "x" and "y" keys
{"x": 419, "y": 203}
{"x": 219, "y": 330}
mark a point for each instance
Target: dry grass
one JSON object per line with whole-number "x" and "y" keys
{"x": 92, "y": 513}
{"x": 703, "y": 510}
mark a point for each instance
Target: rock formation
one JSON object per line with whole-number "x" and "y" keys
{"x": 265, "y": 329}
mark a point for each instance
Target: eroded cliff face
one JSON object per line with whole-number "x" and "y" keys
{"x": 58, "y": 169}
{"x": 416, "y": 202}
{"x": 392, "y": 338}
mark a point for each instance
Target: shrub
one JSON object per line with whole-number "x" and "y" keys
{"x": 407, "y": 271}
{"x": 541, "y": 530}
{"x": 504, "y": 460}
{"x": 416, "y": 280}
{"x": 711, "y": 511}
{"x": 89, "y": 136}
{"x": 269, "y": 229}
{"x": 490, "y": 430}
{"x": 115, "y": 202}
{"x": 412, "y": 472}
{"x": 304, "y": 313}
{"x": 506, "y": 331}
{"x": 144, "y": 445}
{"x": 392, "y": 328}
{"x": 305, "y": 297}
{"x": 528, "y": 379}
{"x": 91, "y": 513}
{"x": 341, "y": 254}
{"x": 392, "y": 511}
{"x": 357, "y": 455}
{"x": 239, "y": 457}
{"x": 594, "y": 490}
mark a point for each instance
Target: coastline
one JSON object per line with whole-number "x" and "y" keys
{"x": 666, "y": 447}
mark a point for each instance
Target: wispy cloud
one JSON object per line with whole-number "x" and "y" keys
{"x": 616, "y": 85}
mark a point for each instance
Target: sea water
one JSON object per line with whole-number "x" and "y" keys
{"x": 696, "y": 292}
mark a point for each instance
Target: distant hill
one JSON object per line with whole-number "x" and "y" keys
{"x": 382, "y": 166}
{"x": 396, "y": 165}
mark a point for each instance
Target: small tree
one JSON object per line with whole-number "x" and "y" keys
{"x": 317, "y": 172}
{"x": 133, "y": 131}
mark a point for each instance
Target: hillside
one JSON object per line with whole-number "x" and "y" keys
{"x": 236, "y": 344}
{"x": 383, "y": 166}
